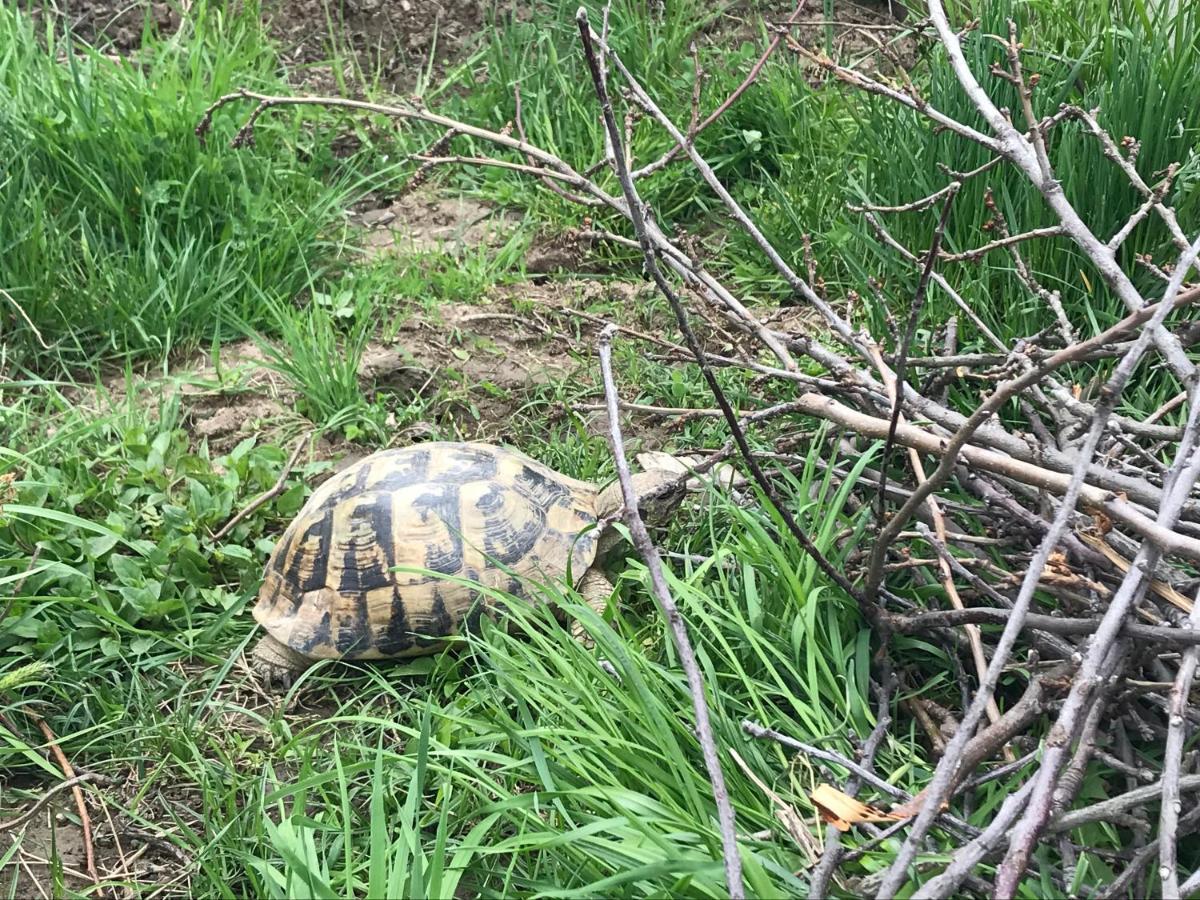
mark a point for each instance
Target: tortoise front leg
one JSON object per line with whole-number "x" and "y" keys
{"x": 596, "y": 591}
{"x": 277, "y": 664}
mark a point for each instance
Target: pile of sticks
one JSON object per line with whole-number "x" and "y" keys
{"x": 1099, "y": 509}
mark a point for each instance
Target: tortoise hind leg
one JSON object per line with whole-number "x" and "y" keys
{"x": 277, "y": 664}
{"x": 595, "y": 590}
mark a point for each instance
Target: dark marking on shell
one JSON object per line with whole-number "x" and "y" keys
{"x": 352, "y": 635}
{"x": 319, "y": 636}
{"x": 403, "y": 469}
{"x": 370, "y": 528}
{"x": 271, "y": 589}
{"x": 397, "y": 637}
{"x": 466, "y": 464}
{"x": 509, "y": 542}
{"x": 443, "y": 502}
{"x": 544, "y": 491}
{"x": 357, "y": 486}
{"x": 317, "y": 558}
{"x": 492, "y": 502}
{"x": 440, "y": 624}
{"x": 364, "y": 568}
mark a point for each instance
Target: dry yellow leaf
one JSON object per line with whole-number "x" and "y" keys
{"x": 841, "y": 810}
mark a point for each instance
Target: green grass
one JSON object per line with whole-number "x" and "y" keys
{"x": 513, "y": 764}
{"x": 471, "y": 756}
{"x": 121, "y": 235}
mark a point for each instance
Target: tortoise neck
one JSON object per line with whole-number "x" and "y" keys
{"x": 611, "y": 499}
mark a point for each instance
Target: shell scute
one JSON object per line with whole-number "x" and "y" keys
{"x": 362, "y": 556}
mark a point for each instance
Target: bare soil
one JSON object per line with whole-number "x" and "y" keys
{"x": 131, "y": 854}
{"x": 425, "y": 222}
{"x": 400, "y": 41}
{"x": 397, "y": 40}
{"x": 486, "y": 359}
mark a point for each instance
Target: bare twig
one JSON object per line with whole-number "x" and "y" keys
{"x": 1192, "y": 885}
{"x": 1085, "y": 495}
{"x": 935, "y": 512}
{"x": 754, "y": 729}
{"x": 429, "y": 160}
{"x": 1113, "y": 153}
{"x": 1001, "y": 243}
{"x": 938, "y": 279}
{"x": 634, "y": 205}
{"x": 1168, "y": 868}
{"x": 1029, "y": 157}
{"x": 85, "y": 822}
{"x": 687, "y": 658}
{"x": 819, "y": 883}
{"x": 1120, "y": 886}
{"x": 1106, "y": 809}
{"x": 1180, "y": 638}
{"x": 900, "y": 362}
{"x": 945, "y": 773}
{"x": 1187, "y": 468}
{"x": 993, "y": 405}
{"x": 71, "y": 783}
{"x": 966, "y": 858}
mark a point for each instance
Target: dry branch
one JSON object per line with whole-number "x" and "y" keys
{"x": 683, "y": 646}
{"x": 69, "y": 784}
{"x": 266, "y": 496}
{"x": 1179, "y": 638}
{"x": 1172, "y": 757}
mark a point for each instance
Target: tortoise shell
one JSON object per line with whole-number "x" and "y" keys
{"x": 480, "y": 514}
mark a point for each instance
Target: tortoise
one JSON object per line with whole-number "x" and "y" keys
{"x": 386, "y": 558}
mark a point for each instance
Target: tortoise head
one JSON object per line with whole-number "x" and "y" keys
{"x": 660, "y": 487}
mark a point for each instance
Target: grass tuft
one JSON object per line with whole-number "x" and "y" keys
{"x": 123, "y": 237}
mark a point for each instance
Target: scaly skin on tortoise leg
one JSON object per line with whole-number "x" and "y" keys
{"x": 276, "y": 664}
{"x": 595, "y": 590}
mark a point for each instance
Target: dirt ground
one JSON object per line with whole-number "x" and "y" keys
{"x": 399, "y": 40}
{"x": 394, "y": 38}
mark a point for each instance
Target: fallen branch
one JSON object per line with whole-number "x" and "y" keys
{"x": 85, "y": 822}
{"x": 687, "y": 658}
{"x": 1106, "y": 809}
{"x": 1086, "y": 496}
{"x": 637, "y": 218}
{"x": 71, "y": 783}
{"x": 1168, "y": 866}
{"x": 819, "y": 883}
{"x": 1179, "y": 638}
{"x": 1182, "y": 477}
